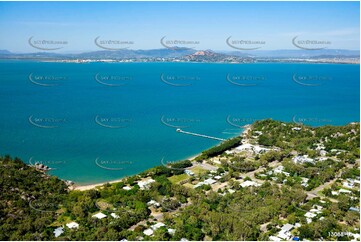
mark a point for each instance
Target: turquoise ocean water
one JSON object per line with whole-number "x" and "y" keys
{"x": 98, "y": 122}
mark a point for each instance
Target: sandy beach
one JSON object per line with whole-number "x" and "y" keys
{"x": 92, "y": 186}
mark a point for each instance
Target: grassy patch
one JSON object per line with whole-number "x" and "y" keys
{"x": 178, "y": 178}
{"x": 103, "y": 205}
{"x": 198, "y": 170}
{"x": 188, "y": 185}
{"x": 62, "y": 220}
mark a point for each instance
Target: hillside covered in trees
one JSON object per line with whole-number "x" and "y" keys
{"x": 239, "y": 197}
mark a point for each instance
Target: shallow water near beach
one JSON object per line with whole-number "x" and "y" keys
{"x": 99, "y": 122}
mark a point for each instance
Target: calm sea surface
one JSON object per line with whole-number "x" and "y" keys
{"x": 102, "y": 121}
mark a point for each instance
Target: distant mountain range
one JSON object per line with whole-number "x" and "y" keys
{"x": 186, "y": 54}
{"x": 105, "y": 54}
{"x": 297, "y": 53}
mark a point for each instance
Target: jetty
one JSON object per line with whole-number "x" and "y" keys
{"x": 199, "y": 135}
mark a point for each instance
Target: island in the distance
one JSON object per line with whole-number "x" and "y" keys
{"x": 277, "y": 181}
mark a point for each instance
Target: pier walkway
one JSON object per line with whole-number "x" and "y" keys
{"x": 199, "y": 135}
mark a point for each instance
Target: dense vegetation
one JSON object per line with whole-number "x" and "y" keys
{"x": 219, "y": 149}
{"x": 33, "y": 204}
{"x": 29, "y": 201}
{"x": 346, "y": 138}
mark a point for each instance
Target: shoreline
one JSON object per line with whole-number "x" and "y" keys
{"x": 301, "y": 61}
{"x": 92, "y": 186}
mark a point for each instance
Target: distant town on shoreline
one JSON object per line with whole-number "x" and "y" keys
{"x": 191, "y": 55}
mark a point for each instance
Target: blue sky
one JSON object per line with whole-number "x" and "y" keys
{"x": 209, "y": 23}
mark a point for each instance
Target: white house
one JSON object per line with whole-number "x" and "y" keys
{"x": 157, "y": 226}
{"x": 127, "y": 188}
{"x": 153, "y": 203}
{"x": 315, "y": 210}
{"x": 286, "y": 173}
{"x": 231, "y": 191}
{"x": 171, "y": 231}
{"x": 274, "y": 238}
{"x": 249, "y": 183}
{"x": 310, "y": 215}
{"x": 145, "y": 184}
{"x": 148, "y": 232}
{"x": 285, "y": 233}
{"x": 278, "y": 169}
{"x": 302, "y": 159}
{"x": 199, "y": 184}
{"x": 287, "y": 227}
{"x": 72, "y": 225}
{"x": 210, "y": 181}
{"x": 355, "y": 236}
{"x": 114, "y": 215}
{"x": 322, "y": 158}
{"x": 345, "y": 191}
{"x": 353, "y": 181}
{"x": 99, "y": 215}
{"x": 189, "y": 172}
{"x": 58, "y": 231}
{"x": 323, "y": 152}
{"x": 249, "y": 147}
{"x": 335, "y": 193}
{"x": 304, "y": 182}
{"x": 347, "y": 184}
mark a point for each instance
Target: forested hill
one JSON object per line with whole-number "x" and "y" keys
{"x": 277, "y": 176}
{"x": 28, "y": 201}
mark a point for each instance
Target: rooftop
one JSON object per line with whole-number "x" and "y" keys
{"x": 72, "y": 225}
{"x": 99, "y": 215}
